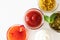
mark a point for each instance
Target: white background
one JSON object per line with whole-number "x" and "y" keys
{"x": 13, "y": 11}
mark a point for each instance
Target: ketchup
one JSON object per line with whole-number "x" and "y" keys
{"x": 33, "y": 18}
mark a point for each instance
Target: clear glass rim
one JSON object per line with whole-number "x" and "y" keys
{"x": 50, "y": 10}
{"x": 34, "y": 28}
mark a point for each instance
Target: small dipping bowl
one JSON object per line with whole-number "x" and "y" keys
{"x": 33, "y": 18}
{"x": 48, "y": 5}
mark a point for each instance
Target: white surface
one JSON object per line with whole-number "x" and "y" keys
{"x": 13, "y": 11}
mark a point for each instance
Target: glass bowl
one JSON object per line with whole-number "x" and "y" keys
{"x": 35, "y": 17}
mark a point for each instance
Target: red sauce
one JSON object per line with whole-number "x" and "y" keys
{"x": 16, "y": 33}
{"x": 33, "y": 17}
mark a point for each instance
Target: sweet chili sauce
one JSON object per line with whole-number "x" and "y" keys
{"x": 17, "y": 32}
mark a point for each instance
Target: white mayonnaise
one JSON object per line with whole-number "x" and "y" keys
{"x": 42, "y": 35}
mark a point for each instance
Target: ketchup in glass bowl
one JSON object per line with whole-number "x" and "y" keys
{"x": 34, "y": 18}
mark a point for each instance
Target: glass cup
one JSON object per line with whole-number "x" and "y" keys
{"x": 48, "y": 5}
{"x": 31, "y": 17}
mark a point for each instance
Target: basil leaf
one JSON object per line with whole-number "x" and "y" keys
{"x": 47, "y": 18}
{"x": 52, "y": 17}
